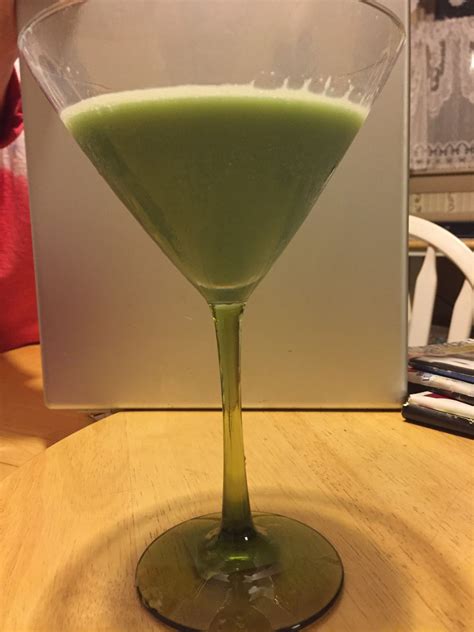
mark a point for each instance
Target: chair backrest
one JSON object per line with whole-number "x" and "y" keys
{"x": 420, "y": 312}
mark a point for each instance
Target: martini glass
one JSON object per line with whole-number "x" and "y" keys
{"x": 218, "y": 123}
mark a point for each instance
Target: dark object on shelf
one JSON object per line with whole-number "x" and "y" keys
{"x": 444, "y": 9}
{"x": 460, "y": 229}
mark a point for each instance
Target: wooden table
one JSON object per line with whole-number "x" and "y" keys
{"x": 27, "y": 427}
{"x": 419, "y": 244}
{"x": 393, "y": 497}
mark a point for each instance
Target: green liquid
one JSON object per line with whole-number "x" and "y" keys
{"x": 220, "y": 177}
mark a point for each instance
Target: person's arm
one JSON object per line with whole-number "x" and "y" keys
{"x": 8, "y": 47}
{"x": 11, "y": 114}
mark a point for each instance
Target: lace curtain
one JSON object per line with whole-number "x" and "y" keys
{"x": 442, "y": 95}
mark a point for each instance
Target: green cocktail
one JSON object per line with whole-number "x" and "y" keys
{"x": 221, "y": 177}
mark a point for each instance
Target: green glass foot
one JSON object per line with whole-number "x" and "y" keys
{"x": 281, "y": 577}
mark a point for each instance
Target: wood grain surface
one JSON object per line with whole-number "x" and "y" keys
{"x": 27, "y": 427}
{"x": 394, "y": 498}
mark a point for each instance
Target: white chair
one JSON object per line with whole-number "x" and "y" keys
{"x": 420, "y": 312}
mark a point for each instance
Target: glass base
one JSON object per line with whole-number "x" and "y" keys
{"x": 280, "y": 577}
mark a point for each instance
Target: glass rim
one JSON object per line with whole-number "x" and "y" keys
{"x": 59, "y": 5}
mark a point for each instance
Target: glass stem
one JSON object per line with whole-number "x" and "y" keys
{"x": 236, "y": 514}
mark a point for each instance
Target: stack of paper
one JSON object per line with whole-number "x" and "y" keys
{"x": 445, "y": 376}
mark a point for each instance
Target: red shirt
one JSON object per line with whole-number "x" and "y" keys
{"x": 18, "y": 313}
